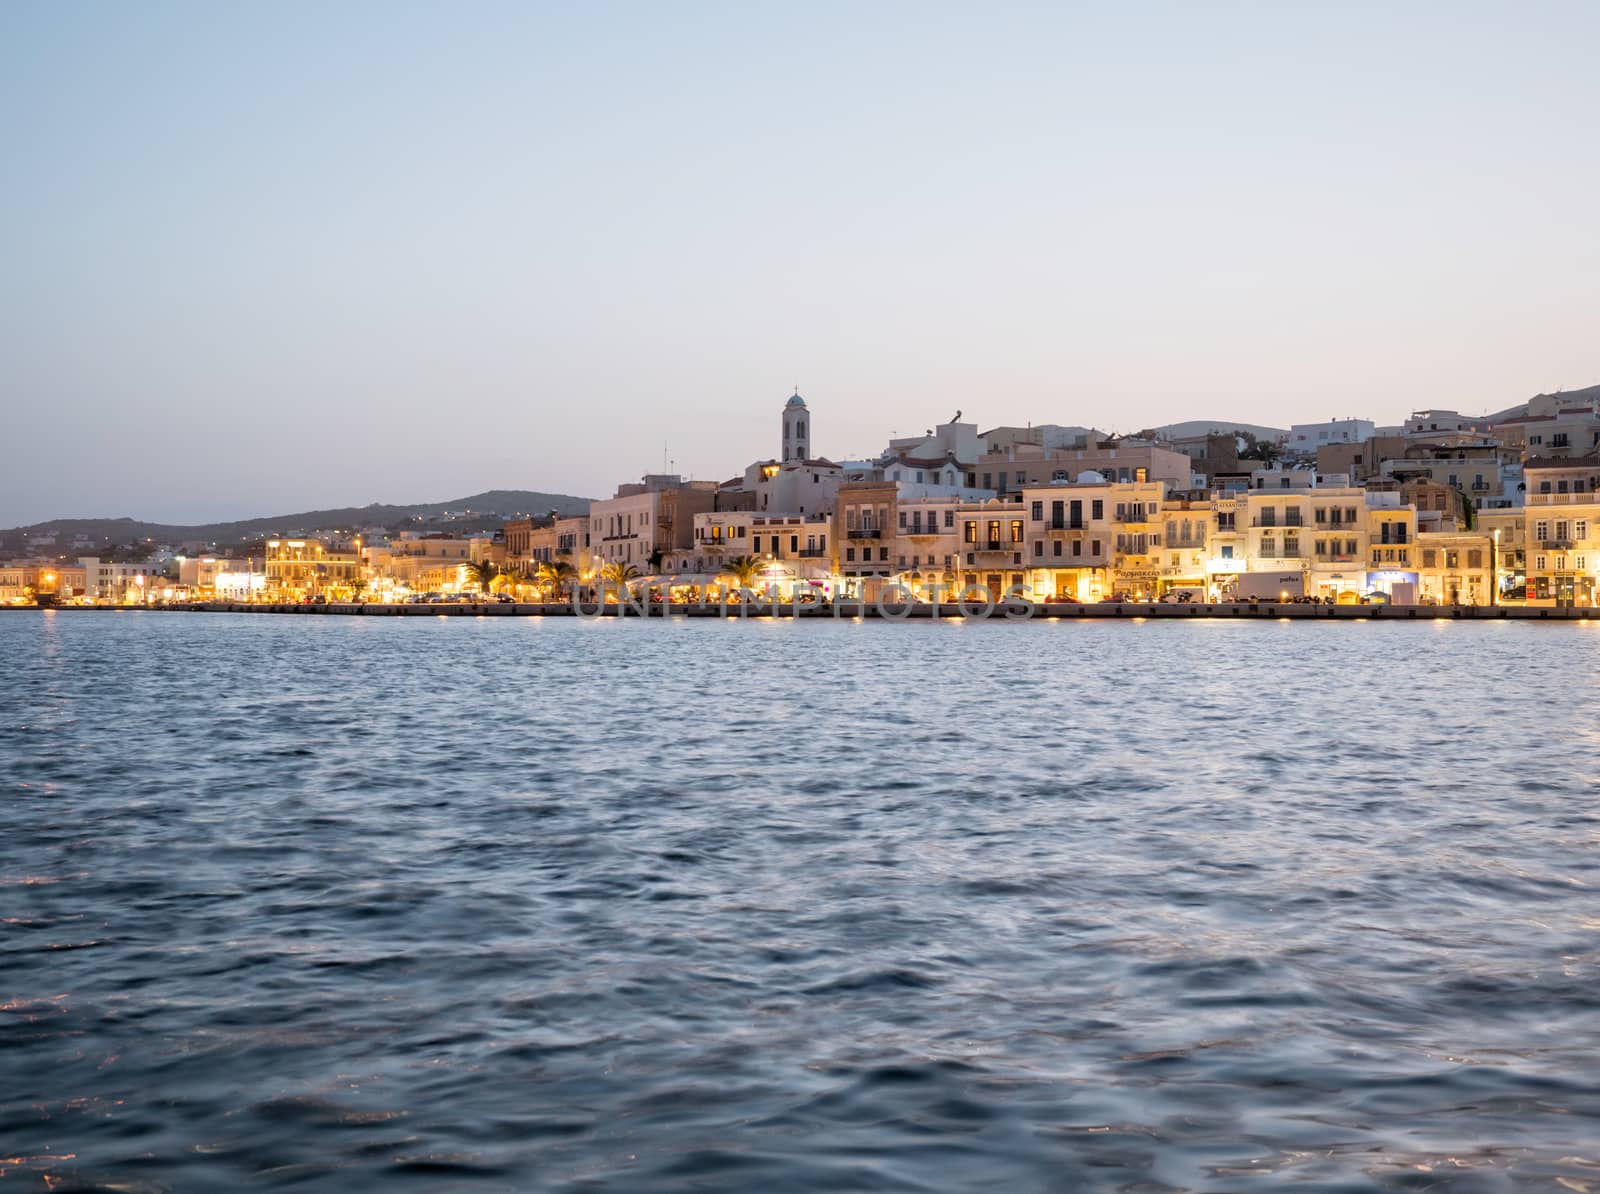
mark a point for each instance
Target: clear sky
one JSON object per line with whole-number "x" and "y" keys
{"x": 264, "y": 257}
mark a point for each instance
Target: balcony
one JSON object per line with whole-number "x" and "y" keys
{"x": 995, "y": 547}
{"x": 1131, "y": 518}
{"x": 618, "y": 538}
{"x": 863, "y": 533}
{"x": 1562, "y": 499}
{"x": 1556, "y": 544}
{"x": 918, "y": 531}
{"x": 812, "y": 553}
{"x": 1057, "y": 525}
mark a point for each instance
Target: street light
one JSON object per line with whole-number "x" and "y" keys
{"x": 1494, "y": 566}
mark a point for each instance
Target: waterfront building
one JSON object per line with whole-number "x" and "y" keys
{"x": 297, "y": 568}
{"x": 1455, "y": 567}
{"x": 122, "y": 582}
{"x": 18, "y": 581}
{"x": 864, "y": 531}
{"x": 220, "y": 578}
{"x": 791, "y": 547}
{"x": 1185, "y": 541}
{"x": 1138, "y": 536}
{"x": 644, "y": 521}
{"x": 994, "y": 544}
{"x": 1562, "y": 514}
{"x": 1507, "y": 532}
{"x": 928, "y": 543}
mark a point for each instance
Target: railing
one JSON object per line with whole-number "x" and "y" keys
{"x": 612, "y": 538}
{"x": 863, "y": 533}
{"x": 1066, "y": 524}
{"x": 812, "y": 553}
{"x": 1556, "y": 544}
{"x": 1584, "y": 498}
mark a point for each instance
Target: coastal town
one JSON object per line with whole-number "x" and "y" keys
{"x": 1444, "y": 509}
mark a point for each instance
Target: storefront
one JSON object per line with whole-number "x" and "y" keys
{"x": 1399, "y": 587}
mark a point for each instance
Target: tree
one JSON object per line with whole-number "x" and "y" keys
{"x": 358, "y": 587}
{"x": 511, "y": 578}
{"x": 619, "y": 574}
{"x": 744, "y": 570}
{"x": 554, "y": 576}
{"x": 484, "y": 572}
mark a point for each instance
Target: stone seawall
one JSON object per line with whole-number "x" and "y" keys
{"x": 867, "y": 609}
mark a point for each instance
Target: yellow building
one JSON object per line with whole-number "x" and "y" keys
{"x": 298, "y": 568}
{"x": 1563, "y": 530}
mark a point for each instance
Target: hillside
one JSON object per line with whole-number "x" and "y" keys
{"x": 1220, "y": 427}
{"x": 481, "y": 511}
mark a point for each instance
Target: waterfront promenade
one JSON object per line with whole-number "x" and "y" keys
{"x": 846, "y": 609}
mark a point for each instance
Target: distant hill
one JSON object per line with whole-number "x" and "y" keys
{"x": 481, "y": 511}
{"x": 1220, "y": 427}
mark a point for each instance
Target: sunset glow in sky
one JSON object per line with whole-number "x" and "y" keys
{"x": 263, "y": 258}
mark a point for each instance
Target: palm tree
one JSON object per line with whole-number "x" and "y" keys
{"x": 619, "y": 573}
{"x": 554, "y": 576}
{"x": 511, "y": 578}
{"x": 484, "y": 572}
{"x": 744, "y": 570}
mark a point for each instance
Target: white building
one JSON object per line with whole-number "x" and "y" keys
{"x": 1306, "y": 438}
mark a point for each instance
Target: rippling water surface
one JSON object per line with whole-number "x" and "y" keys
{"x": 481, "y": 904}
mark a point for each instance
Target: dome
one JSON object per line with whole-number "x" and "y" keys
{"x": 795, "y": 400}
{"x": 1090, "y": 477}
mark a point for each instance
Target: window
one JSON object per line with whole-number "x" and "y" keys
{"x": 971, "y": 533}
{"x": 850, "y": 554}
{"x": 1077, "y": 546}
{"x": 949, "y": 518}
{"x": 1016, "y": 530}
{"x": 919, "y": 476}
{"x": 902, "y": 520}
{"x": 1097, "y": 509}
{"x": 883, "y": 554}
{"x": 1038, "y": 547}
{"x": 755, "y": 544}
{"x": 1056, "y": 547}
{"x": 1227, "y": 551}
{"x": 1037, "y": 511}
{"x": 1580, "y": 529}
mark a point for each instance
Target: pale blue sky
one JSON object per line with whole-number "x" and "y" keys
{"x": 260, "y": 258}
